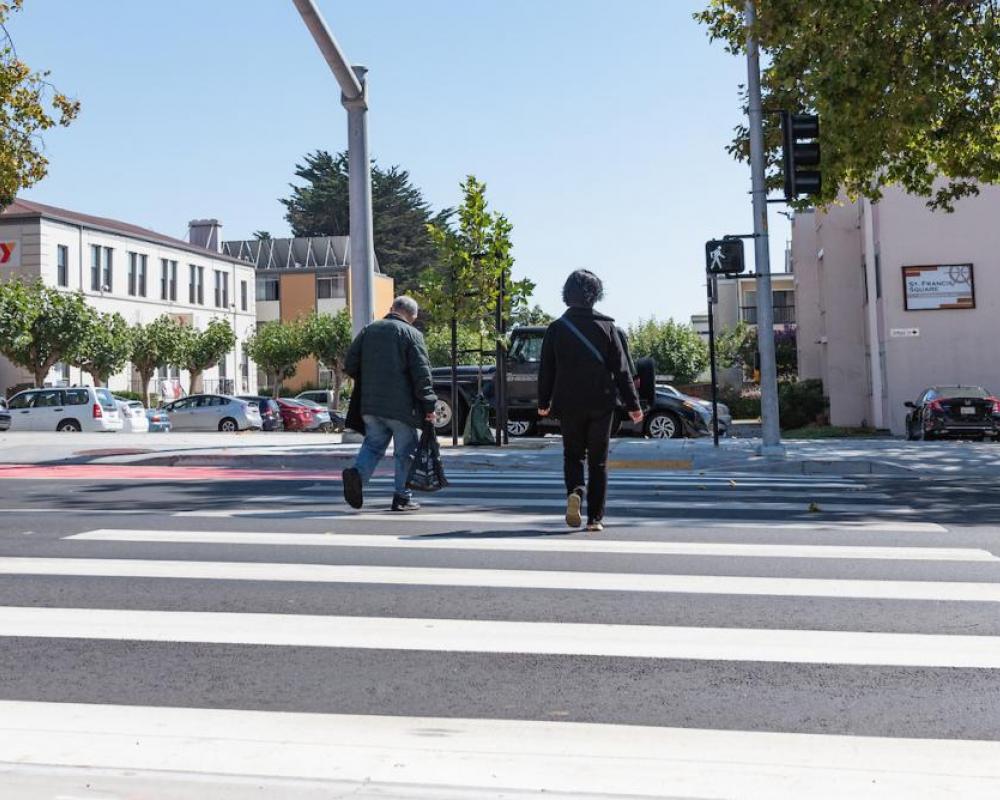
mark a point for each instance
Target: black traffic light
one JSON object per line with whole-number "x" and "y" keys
{"x": 800, "y": 154}
{"x": 724, "y": 256}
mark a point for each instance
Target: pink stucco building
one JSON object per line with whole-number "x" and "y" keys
{"x": 892, "y": 298}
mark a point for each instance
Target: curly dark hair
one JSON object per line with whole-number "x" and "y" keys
{"x": 582, "y": 288}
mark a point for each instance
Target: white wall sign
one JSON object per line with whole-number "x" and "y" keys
{"x": 904, "y": 333}
{"x": 939, "y": 287}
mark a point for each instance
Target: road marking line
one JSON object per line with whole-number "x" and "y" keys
{"x": 498, "y": 518}
{"x": 938, "y": 591}
{"x": 662, "y": 464}
{"x": 541, "y": 544}
{"x": 479, "y": 636}
{"x": 452, "y": 754}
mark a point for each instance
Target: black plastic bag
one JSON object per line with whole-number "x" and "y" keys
{"x": 427, "y": 470}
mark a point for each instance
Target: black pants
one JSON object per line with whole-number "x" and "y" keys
{"x": 586, "y": 437}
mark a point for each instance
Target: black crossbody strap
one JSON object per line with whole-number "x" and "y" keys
{"x": 579, "y": 335}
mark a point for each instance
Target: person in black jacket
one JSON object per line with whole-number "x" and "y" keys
{"x": 583, "y": 376}
{"x": 389, "y": 357}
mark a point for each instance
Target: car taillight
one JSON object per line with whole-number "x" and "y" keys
{"x": 996, "y": 404}
{"x": 98, "y": 413}
{"x": 935, "y": 405}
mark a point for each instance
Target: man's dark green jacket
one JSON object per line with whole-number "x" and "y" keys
{"x": 391, "y": 359}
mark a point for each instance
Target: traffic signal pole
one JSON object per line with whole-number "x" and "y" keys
{"x": 771, "y": 431}
{"x": 354, "y": 98}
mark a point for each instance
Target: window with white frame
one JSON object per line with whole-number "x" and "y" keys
{"x": 108, "y": 283}
{"x": 243, "y": 295}
{"x": 330, "y": 287}
{"x": 268, "y": 287}
{"x": 95, "y": 268}
{"x": 62, "y": 265}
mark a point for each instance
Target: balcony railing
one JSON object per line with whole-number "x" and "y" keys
{"x": 783, "y": 315}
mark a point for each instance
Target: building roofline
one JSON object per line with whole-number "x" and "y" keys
{"x": 22, "y": 209}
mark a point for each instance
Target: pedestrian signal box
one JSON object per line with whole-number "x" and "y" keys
{"x": 724, "y": 257}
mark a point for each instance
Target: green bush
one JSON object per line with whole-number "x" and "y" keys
{"x": 130, "y": 396}
{"x": 801, "y": 403}
{"x": 743, "y": 404}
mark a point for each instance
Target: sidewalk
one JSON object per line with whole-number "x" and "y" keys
{"x": 298, "y": 451}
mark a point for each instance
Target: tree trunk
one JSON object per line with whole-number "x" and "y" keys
{"x": 276, "y": 386}
{"x": 145, "y": 377}
{"x": 196, "y": 385}
{"x": 336, "y": 387}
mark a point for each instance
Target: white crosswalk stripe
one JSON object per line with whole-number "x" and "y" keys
{"x": 752, "y": 595}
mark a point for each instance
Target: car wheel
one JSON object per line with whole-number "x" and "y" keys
{"x": 443, "y": 416}
{"x": 68, "y": 426}
{"x": 228, "y": 425}
{"x": 663, "y": 425}
{"x": 521, "y": 428}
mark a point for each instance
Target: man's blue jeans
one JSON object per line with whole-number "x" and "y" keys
{"x": 379, "y": 431}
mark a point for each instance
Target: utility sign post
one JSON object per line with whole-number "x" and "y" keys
{"x": 724, "y": 256}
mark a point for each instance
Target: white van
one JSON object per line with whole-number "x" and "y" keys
{"x": 81, "y": 408}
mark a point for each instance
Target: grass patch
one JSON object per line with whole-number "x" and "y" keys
{"x": 834, "y": 432}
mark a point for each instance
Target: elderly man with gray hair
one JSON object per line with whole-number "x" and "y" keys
{"x": 390, "y": 359}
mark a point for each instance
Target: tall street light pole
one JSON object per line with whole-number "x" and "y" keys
{"x": 354, "y": 97}
{"x": 771, "y": 431}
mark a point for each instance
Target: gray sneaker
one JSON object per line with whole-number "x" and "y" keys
{"x": 573, "y": 504}
{"x": 403, "y": 503}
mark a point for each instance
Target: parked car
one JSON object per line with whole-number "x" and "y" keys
{"x": 4, "y": 417}
{"x": 324, "y": 397}
{"x": 212, "y": 412}
{"x": 270, "y": 412}
{"x": 725, "y": 417}
{"x": 295, "y": 416}
{"x": 324, "y": 417}
{"x": 133, "y": 416}
{"x": 159, "y": 420}
{"x": 80, "y": 408}
{"x": 954, "y": 412}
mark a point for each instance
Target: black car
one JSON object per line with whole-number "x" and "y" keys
{"x": 941, "y": 412}
{"x": 270, "y": 412}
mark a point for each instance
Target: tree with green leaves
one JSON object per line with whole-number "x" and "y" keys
{"x": 535, "y": 315}
{"x": 438, "y": 340}
{"x": 28, "y": 106}
{"x": 157, "y": 344}
{"x": 104, "y": 347}
{"x": 277, "y": 348}
{"x": 41, "y": 326}
{"x": 202, "y": 350}
{"x": 907, "y": 91}
{"x": 737, "y": 347}
{"x": 328, "y": 338}
{"x": 678, "y": 350}
{"x": 400, "y": 214}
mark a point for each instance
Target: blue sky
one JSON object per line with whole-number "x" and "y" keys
{"x": 598, "y": 127}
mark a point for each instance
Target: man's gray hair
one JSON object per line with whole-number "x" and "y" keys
{"x": 407, "y": 305}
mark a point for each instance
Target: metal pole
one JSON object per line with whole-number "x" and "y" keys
{"x": 500, "y": 374}
{"x": 354, "y": 97}
{"x": 454, "y": 381}
{"x": 771, "y": 431}
{"x": 360, "y": 201}
{"x": 711, "y": 358}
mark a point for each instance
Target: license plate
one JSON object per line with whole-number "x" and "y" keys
{"x": 970, "y": 410}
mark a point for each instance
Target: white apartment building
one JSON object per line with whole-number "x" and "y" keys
{"x": 893, "y": 298}
{"x": 139, "y": 273}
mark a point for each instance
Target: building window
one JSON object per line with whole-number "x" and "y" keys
{"x": 878, "y": 274}
{"x": 168, "y": 279}
{"x": 143, "y": 269}
{"x": 222, "y": 367}
{"x": 192, "y": 283}
{"x": 95, "y": 268}
{"x": 225, "y": 290}
{"x": 196, "y": 288}
{"x": 245, "y": 371}
{"x": 243, "y": 295}
{"x": 268, "y": 288}
{"x": 136, "y": 274}
{"x": 201, "y": 286}
{"x": 62, "y": 265}
{"x": 109, "y": 277}
{"x": 330, "y": 287}
{"x": 218, "y": 288}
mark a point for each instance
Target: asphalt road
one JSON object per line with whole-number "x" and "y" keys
{"x": 813, "y": 609}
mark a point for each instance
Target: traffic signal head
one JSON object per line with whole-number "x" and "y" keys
{"x": 800, "y": 154}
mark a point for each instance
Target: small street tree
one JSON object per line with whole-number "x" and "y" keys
{"x": 155, "y": 345}
{"x": 28, "y": 106}
{"x": 277, "y": 348}
{"x": 41, "y": 326}
{"x": 677, "y": 349}
{"x": 202, "y": 350}
{"x": 327, "y": 337}
{"x": 737, "y": 347}
{"x": 104, "y": 348}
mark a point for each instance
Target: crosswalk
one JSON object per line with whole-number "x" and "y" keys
{"x": 725, "y": 637}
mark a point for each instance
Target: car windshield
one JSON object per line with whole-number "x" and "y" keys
{"x": 950, "y": 392}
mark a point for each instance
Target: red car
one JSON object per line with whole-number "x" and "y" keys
{"x": 296, "y": 417}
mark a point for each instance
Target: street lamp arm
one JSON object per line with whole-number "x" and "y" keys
{"x": 350, "y": 86}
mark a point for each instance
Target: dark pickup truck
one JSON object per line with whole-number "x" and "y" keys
{"x": 667, "y": 416}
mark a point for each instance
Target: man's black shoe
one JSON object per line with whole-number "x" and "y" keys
{"x": 352, "y": 487}
{"x": 403, "y": 503}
